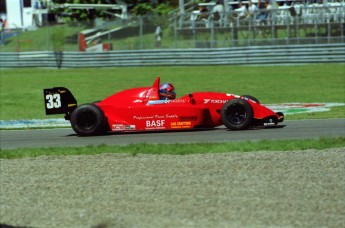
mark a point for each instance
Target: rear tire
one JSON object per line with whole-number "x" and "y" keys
{"x": 87, "y": 120}
{"x": 237, "y": 114}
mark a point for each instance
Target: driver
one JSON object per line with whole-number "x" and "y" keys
{"x": 167, "y": 91}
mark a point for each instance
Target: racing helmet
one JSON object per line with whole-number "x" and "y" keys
{"x": 167, "y": 91}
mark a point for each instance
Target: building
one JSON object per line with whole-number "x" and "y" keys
{"x": 23, "y": 14}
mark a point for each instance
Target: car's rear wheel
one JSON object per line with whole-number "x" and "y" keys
{"x": 237, "y": 114}
{"x": 88, "y": 119}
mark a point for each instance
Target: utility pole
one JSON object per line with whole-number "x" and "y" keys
{"x": 181, "y": 13}
{"x": 226, "y": 12}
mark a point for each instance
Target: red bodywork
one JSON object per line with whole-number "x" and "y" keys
{"x": 140, "y": 109}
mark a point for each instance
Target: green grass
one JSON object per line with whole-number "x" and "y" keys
{"x": 22, "y": 89}
{"x": 180, "y": 149}
{"x": 43, "y": 39}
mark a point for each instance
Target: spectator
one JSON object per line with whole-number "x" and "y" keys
{"x": 2, "y": 25}
{"x": 268, "y": 8}
{"x": 252, "y": 10}
{"x": 261, "y": 5}
{"x": 264, "y": 14}
{"x": 158, "y": 36}
{"x": 203, "y": 13}
{"x": 296, "y": 10}
{"x": 241, "y": 11}
{"x": 218, "y": 13}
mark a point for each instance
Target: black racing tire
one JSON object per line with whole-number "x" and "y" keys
{"x": 237, "y": 114}
{"x": 88, "y": 119}
{"x": 251, "y": 98}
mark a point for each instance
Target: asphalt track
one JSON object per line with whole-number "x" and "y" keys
{"x": 296, "y": 129}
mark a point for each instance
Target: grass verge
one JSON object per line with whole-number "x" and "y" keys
{"x": 180, "y": 149}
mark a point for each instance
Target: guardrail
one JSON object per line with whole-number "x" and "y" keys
{"x": 288, "y": 54}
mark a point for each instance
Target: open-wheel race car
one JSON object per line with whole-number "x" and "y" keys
{"x": 141, "y": 109}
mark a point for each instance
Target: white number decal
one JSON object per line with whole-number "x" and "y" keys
{"x": 53, "y": 101}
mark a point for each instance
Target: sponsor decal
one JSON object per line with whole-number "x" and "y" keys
{"x": 214, "y": 101}
{"x": 142, "y": 117}
{"x": 155, "y": 124}
{"x": 179, "y": 101}
{"x": 117, "y": 127}
{"x": 122, "y": 127}
{"x": 188, "y": 118}
{"x": 181, "y": 124}
{"x": 153, "y": 97}
{"x": 171, "y": 116}
{"x": 270, "y": 122}
{"x": 130, "y": 127}
{"x": 167, "y": 116}
{"x": 156, "y": 121}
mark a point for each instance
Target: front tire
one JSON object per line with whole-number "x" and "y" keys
{"x": 87, "y": 120}
{"x": 237, "y": 114}
{"x": 251, "y": 98}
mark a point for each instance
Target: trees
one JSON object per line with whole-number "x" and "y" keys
{"x": 142, "y": 7}
{"x": 135, "y": 7}
{"x": 77, "y": 14}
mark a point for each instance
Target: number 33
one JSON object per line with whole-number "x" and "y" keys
{"x": 53, "y": 101}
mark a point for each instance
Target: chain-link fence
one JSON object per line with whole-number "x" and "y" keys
{"x": 280, "y": 27}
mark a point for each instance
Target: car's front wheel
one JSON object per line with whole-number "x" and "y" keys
{"x": 237, "y": 114}
{"x": 87, "y": 120}
{"x": 251, "y": 98}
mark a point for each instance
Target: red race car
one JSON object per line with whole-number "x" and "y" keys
{"x": 143, "y": 109}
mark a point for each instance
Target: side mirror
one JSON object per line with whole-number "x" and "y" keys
{"x": 191, "y": 99}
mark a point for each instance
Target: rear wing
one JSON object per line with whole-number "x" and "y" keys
{"x": 59, "y": 100}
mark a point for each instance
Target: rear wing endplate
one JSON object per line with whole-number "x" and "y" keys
{"x": 59, "y": 100}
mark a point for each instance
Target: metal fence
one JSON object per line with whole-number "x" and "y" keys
{"x": 284, "y": 25}
{"x": 317, "y": 24}
{"x": 287, "y": 54}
